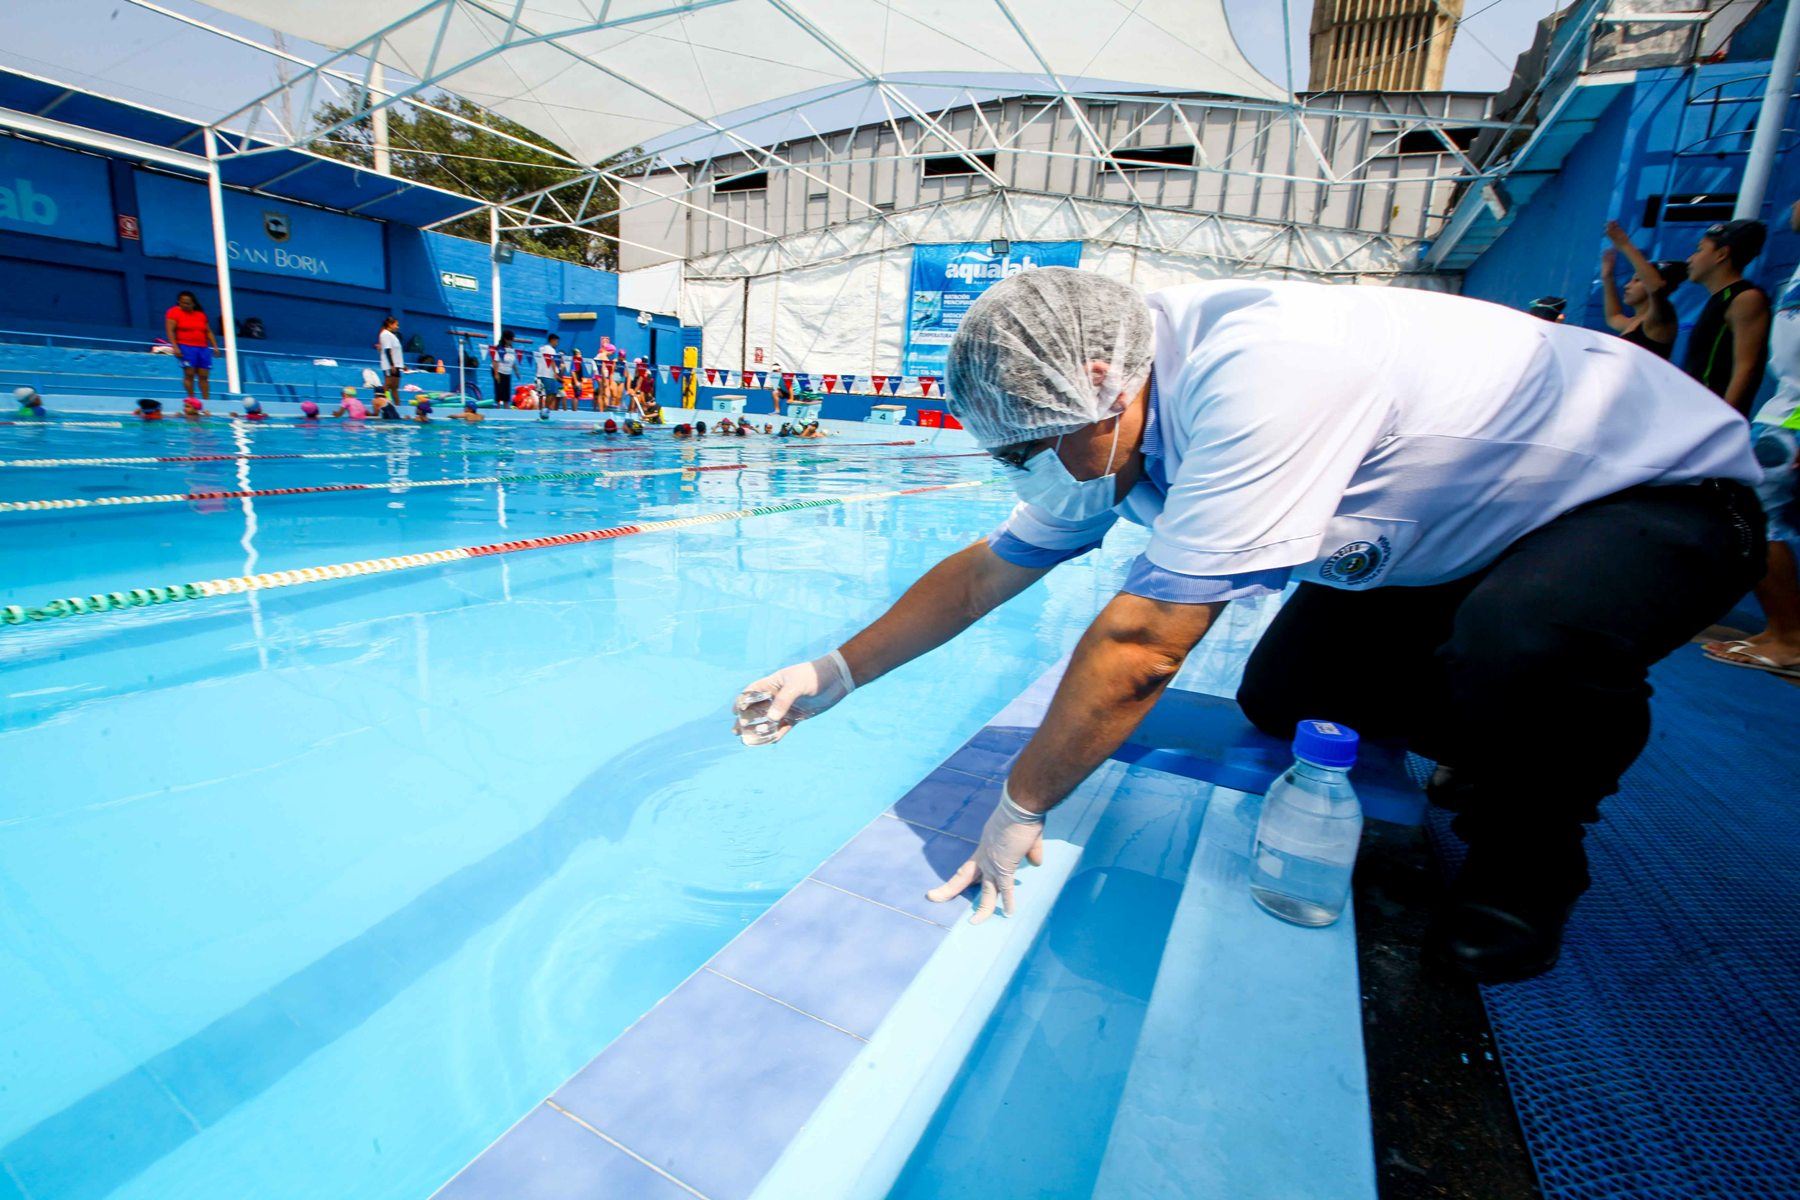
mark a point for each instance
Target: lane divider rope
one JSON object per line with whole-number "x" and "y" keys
{"x": 317, "y": 455}
{"x": 42, "y": 424}
{"x": 141, "y": 597}
{"x": 397, "y": 485}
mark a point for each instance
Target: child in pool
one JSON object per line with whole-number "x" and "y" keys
{"x": 471, "y": 412}
{"x": 192, "y": 409}
{"x": 309, "y": 410}
{"x": 352, "y": 406}
{"x": 422, "y": 412}
{"x": 253, "y": 410}
{"x": 31, "y": 405}
{"x": 149, "y": 410}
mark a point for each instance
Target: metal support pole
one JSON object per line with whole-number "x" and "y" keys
{"x": 494, "y": 267}
{"x": 1769, "y": 120}
{"x": 378, "y": 122}
{"x": 215, "y": 191}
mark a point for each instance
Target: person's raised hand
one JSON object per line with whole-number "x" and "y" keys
{"x": 1012, "y": 834}
{"x": 771, "y": 706}
{"x": 1609, "y": 258}
{"x": 1617, "y": 233}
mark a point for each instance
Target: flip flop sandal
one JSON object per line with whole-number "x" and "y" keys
{"x": 1718, "y": 649}
{"x": 1762, "y": 663}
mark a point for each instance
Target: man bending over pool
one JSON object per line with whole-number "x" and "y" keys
{"x": 1496, "y": 526}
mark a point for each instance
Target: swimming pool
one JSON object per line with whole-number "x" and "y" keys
{"x": 315, "y": 890}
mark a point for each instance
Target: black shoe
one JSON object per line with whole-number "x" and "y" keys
{"x": 1494, "y": 944}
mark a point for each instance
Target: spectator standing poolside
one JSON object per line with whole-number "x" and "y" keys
{"x": 779, "y": 388}
{"x": 191, "y": 334}
{"x": 1775, "y": 436}
{"x": 1729, "y": 347}
{"x": 1652, "y": 322}
{"x": 549, "y": 374}
{"x": 392, "y": 363}
{"x": 505, "y": 357}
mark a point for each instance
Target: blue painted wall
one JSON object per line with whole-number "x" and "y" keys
{"x": 97, "y": 290}
{"x": 1554, "y": 243}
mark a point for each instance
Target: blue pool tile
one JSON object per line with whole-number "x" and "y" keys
{"x": 549, "y": 1156}
{"x": 99, "y": 1142}
{"x": 895, "y": 863}
{"x": 837, "y": 956}
{"x": 711, "y": 1084}
{"x": 950, "y": 801}
{"x": 990, "y": 753}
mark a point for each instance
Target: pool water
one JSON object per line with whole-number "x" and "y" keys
{"x": 314, "y": 891}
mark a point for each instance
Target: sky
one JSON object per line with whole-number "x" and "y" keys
{"x": 115, "y": 47}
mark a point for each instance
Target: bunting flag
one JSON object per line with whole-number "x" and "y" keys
{"x": 848, "y": 382}
{"x": 893, "y": 385}
{"x": 925, "y": 382}
{"x": 762, "y": 378}
{"x": 830, "y": 383}
{"x": 674, "y": 374}
{"x": 712, "y": 376}
{"x": 787, "y": 379}
{"x": 805, "y": 382}
{"x": 880, "y": 381}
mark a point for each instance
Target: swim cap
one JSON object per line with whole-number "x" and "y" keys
{"x": 700, "y": 427}
{"x": 149, "y": 405}
{"x": 27, "y": 397}
{"x": 1743, "y": 237}
{"x": 611, "y": 426}
{"x": 252, "y": 404}
{"x": 424, "y": 406}
{"x": 308, "y": 408}
{"x": 1548, "y": 308}
{"x": 470, "y": 406}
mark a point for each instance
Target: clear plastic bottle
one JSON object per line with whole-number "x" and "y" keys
{"x": 1311, "y": 826}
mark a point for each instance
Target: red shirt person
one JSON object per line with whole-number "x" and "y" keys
{"x": 191, "y": 334}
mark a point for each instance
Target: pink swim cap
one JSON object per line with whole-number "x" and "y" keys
{"x": 309, "y": 408}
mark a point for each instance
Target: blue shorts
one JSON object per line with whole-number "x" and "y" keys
{"x": 1779, "y": 490}
{"x": 550, "y": 385}
{"x": 196, "y": 358}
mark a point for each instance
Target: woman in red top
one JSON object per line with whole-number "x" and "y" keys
{"x": 191, "y": 334}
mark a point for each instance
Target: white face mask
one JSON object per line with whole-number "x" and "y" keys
{"x": 1046, "y": 483}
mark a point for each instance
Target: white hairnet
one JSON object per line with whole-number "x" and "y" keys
{"x": 1018, "y": 365}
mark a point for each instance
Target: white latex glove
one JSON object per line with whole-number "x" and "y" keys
{"x": 771, "y": 706}
{"x": 1011, "y": 834}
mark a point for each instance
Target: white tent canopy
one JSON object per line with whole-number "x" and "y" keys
{"x": 600, "y": 76}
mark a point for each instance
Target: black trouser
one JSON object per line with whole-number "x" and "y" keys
{"x": 1529, "y": 677}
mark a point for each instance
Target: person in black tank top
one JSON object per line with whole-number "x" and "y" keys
{"x": 1729, "y": 347}
{"x": 1652, "y": 323}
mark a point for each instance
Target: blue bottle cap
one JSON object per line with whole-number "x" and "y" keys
{"x": 1325, "y": 743}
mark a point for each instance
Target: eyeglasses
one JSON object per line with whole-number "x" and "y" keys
{"x": 1017, "y": 456}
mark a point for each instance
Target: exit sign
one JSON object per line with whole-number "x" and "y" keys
{"x": 465, "y": 283}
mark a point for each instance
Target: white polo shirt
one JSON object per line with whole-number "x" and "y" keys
{"x": 548, "y": 359}
{"x": 389, "y": 341}
{"x": 1362, "y": 436}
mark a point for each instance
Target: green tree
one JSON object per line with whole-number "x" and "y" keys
{"x": 427, "y": 147}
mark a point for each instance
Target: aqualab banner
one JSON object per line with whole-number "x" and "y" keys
{"x": 54, "y": 193}
{"x": 269, "y": 236}
{"x": 946, "y": 279}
